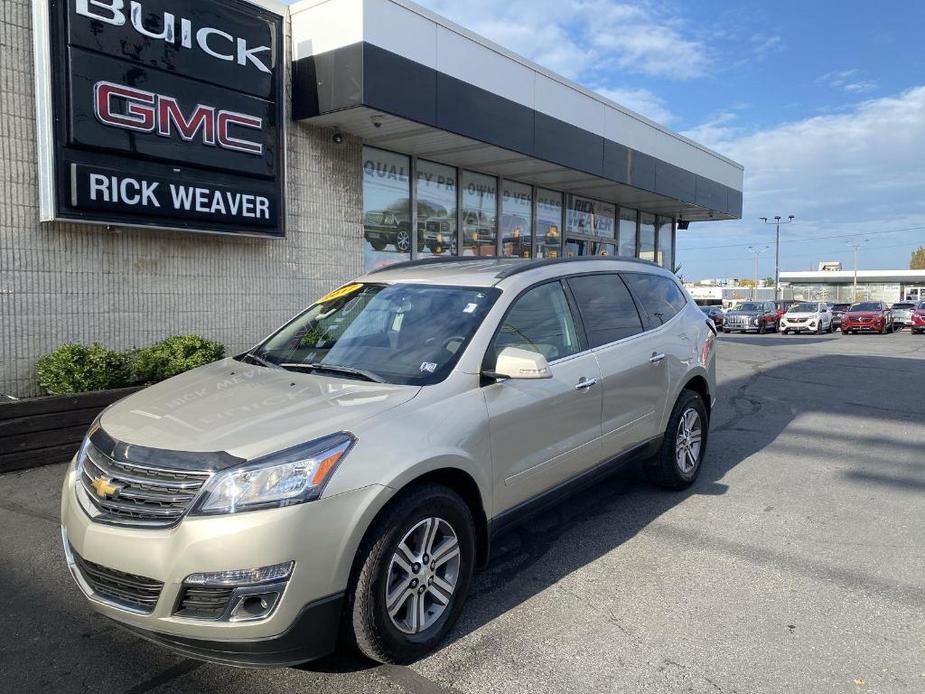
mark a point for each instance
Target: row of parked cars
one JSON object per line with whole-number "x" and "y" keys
{"x": 818, "y": 317}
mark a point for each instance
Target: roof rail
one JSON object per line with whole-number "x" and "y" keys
{"x": 437, "y": 260}
{"x": 533, "y": 264}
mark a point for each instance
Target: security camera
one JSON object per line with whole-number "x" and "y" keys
{"x": 377, "y": 121}
{"x": 338, "y": 138}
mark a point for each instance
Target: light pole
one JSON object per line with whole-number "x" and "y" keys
{"x": 856, "y": 245}
{"x": 757, "y": 252}
{"x": 777, "y": 222}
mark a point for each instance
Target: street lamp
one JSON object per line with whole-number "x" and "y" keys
{"x": 777, "y": 222}
{"x": 856, "y": 245}
{"x": 757, "y": 252}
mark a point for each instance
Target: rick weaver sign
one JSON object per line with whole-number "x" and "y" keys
{"x": 166, "y": 113}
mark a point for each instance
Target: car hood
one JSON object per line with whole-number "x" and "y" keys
{"x": 743, "y": 313}
{"x": 246, "y": 410}
{"x": 791, "y": 314}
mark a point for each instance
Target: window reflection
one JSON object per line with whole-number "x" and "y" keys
{"x": 646, "y": 236}
{"x": 548, "y": 223}
{"x": 386, "y": 208}
{"x": 479, "y": 214}
{"x": 627, "y": 242}
{"x": 664, "y": 243}
{"x": 516, "y": 214}
{"x": 436, "y": 202}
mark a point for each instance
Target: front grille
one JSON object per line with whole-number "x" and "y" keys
{"x": 797, "y": 320}
{"x": 738, "y": 321}
{"x": 204, "y": 602}
{"x": 143, "y": 495}
{"x": 124, "y": 589}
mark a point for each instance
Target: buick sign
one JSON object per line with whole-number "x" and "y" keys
{"x": 164, "y": 113}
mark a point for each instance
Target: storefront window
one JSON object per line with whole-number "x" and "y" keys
{"x": 516, "y": 215}
{"x": 627, "y": 233}
{"x": 587, "y": 217}
{"x": 436, "y": 201}
{"x": 479, "y": 214}
{"x": 664, "y": 243}
{"x": 646, "y": 236}
{"x": 587, "y": 247}
{"x": 548, "y": 223}
{"x": 386, "y": 208}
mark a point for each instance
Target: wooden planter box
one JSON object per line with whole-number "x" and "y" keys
{"x": 44, "y": 431}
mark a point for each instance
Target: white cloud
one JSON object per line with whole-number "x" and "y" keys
{"x": 581, "y": 37}
{"x": 641, "y": 101}
{"x": 763, "y": 44}
{"x": 848, "y": 81}
{"x": 858, "y": 171}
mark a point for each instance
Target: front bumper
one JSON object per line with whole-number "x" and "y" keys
{"x": 874, "y": 327}
{"x": 321, "y": 537}
{"x": 810, "y": 326}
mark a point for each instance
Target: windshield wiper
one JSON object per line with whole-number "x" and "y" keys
{"x": 259, "y": 360}
{"x": 337, "y": 369}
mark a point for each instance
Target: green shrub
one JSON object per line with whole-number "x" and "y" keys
{"x": 173, "y": 356}
{"x": 74, "y": 368}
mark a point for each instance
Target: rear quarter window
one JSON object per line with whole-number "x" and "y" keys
{"x": 661, "y": 297}
{"x": 606, "y": 307}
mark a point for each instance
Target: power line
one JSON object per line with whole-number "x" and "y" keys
{"x": 815, "y": 238}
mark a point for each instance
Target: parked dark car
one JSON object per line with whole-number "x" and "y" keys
{"x": 918, "y": 319}
{"x": 838, "y": 310}
{"x": 383, "y": 228}
{"x": 867, "y": 317}
{"x": 715, "y": 314}
{"x": 752, "y": 316}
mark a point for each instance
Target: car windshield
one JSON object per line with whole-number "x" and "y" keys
{"x": 867, "y": 306}
{"x": 903, "y": 306}
{"x": 803, "y": 308}
{"x": 393, "y": 333}
{"x": 750, "y": 307}
{"x": 922, "y": 306}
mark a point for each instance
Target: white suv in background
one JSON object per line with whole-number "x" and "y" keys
{"x": 807, "y": 317}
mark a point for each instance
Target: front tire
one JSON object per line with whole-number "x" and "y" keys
{"x": 413, "y": 575}
{"x": 684, "y": 445}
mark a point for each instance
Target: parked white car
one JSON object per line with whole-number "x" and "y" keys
{"x": 807, "y": 317}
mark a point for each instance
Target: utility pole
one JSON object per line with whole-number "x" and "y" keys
{"x": 777, "y": 222}
{"x": 757, "y": 253}
{"x": 856, "y": 245}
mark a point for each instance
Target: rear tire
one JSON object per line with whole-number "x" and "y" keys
{"x": 679, "y": 460}
{"x": 417, "y": 621}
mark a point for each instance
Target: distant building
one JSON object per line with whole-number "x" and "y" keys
{"x": 837, "y": 286}
{"x": 830, "y": 266}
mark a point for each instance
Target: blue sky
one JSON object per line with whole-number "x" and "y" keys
{"x": 823, "y": 102}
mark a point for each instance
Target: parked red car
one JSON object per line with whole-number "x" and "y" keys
{"x": 918, "y": 319}
{"x": 782, "y": 307}
{"x": 715, "y": 313}
{"x": 867, "y": 317}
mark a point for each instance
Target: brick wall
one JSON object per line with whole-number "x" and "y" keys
{"x": 127, "y": 287}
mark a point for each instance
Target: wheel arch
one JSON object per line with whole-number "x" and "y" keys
{"x": 699, "y": 385}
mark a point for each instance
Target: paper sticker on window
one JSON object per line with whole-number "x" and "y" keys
{"x": 428, "y": 367}
{"x": 470, "y": 308}
{"x": 338, "y": 293}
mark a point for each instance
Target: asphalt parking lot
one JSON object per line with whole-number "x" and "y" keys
{"x": 796, "y": 563}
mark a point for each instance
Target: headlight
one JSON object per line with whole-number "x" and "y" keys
{"x": 293, "y": 476}
{"x": 754, "y": 321}
{"x": 84, "y": 445}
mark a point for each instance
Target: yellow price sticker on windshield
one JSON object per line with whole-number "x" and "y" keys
{"x": 338, "y": 293}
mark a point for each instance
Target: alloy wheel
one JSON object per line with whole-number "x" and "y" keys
{"x": 422, "y": 576}
{"x": 403, "y": 240}
{"x": 688, "y": 441}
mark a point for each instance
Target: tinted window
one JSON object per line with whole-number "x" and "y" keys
{"x": 661, "y": 297}
{"x": 607, "y": 308}
{"x": 540, "y": 321}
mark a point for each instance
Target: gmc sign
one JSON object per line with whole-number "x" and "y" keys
{"x": 167, "y": 114}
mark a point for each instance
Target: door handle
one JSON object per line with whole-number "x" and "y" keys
{"x": 585, "y": 383}
{"x": 656, "y": 357}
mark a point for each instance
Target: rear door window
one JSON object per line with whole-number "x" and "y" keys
{"x": 607, "y": 308}
{"x": 661, "y": 298}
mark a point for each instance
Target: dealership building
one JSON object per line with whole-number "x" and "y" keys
{"x": 846, "y": 286}
{"x": 179, "y": 166}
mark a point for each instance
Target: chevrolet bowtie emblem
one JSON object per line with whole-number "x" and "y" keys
{"x": 104, "y": 487}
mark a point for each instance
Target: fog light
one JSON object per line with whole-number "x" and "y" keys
{"x": 248, "y": 605}
{"x": 242, "y": 577}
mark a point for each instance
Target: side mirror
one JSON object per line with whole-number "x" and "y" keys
{"x": 516, "y": 363}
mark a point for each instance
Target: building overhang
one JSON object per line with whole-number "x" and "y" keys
{"x": 405, "y": 79}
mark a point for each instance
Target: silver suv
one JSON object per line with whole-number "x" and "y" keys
{"x": 346, "y": 475}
